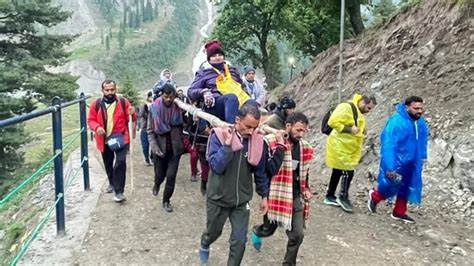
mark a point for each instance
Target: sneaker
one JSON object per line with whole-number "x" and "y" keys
{"x": 256, "y": 241}
{"x": 405, "y": 218}
{"x": 331, "y": 201}
{"x": 155, "y": 190}
{"x": 119, "y": 197}
{"x": 203, "y": 255}
{"x": 345, "y": 204}
{"x": 371, "y": 205}
{"x": 167, "y": 206}
{"x": 194, "y": 178}
{"x": 147, "y": 162}
{"x": 109, "y": 189}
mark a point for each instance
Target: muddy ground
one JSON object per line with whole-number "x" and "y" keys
{"x": 140, "y": 232}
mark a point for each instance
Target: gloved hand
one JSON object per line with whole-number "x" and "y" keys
{"x": 209, "y": 100}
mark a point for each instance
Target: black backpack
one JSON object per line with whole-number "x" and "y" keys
{"x": 326, "y": 129}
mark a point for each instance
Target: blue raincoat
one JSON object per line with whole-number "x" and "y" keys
{"x": 404, "y": 144}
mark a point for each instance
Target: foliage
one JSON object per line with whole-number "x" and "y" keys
{"x": 145, "y": 60}
{"x": 129, "y": 91}
{"x": 24, "y": 55}
{"x": 383, "y": 10}
{"x": 244, "y": 28}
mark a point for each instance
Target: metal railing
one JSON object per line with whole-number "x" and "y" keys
{"x": 57, "y": 160}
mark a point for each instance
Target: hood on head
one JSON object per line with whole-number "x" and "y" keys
{"x": 162, "y": 74}
{"x": 402, "y": 110}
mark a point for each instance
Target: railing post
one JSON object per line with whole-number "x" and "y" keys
{"x": 58, "y": 166}
{"x": 84, "y": 153}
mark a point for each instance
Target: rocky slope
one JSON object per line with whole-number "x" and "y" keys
{"x": 425, "y": 51}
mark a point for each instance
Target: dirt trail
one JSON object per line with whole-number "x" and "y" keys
{"x": 140, "y": 232}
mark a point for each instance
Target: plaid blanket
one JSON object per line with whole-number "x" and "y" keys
{"x": 280, "y": 200}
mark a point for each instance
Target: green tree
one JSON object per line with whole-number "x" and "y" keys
{"x": 24, "y": 55}
{"x": 383, "y": 10}
{"x": 274, "y": 62}
{"x": 129, "y": 91}
{"x": 312, "y": 27}
{"x": 121, "y": 36}
{"x": 107, "y": 43}
{"x": 245, "y": 25}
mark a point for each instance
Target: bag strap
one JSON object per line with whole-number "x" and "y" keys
{"x": 99, "y": 104}
{"x": 355, "y": 114}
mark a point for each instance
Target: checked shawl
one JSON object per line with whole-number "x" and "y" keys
{"x": 280, "y": 199}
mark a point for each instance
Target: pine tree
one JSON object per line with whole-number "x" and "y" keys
{"x": 107, "y": 43}
{"x": 129, "y": 91}
{"x": 24, "y": 55}
{"x": 131, "y": 19}
{"x": 121, "y": 36}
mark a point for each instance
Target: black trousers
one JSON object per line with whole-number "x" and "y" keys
{"x": 166, "y": 167}
{"x": 239, "y": 221}
{"x": 116, "y": 171}
{"x": 345, "y": 182}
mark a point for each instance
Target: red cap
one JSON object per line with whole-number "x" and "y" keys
{"x": 213, "y": 47}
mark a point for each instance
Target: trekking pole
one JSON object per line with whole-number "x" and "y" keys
{"x": 130, "y": 130}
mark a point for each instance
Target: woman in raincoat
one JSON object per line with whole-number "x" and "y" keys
{"x": 404, "y": 143}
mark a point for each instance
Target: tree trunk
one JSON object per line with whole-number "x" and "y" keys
{"x": 271, "y": 83}
{"x": 353, "y": 8}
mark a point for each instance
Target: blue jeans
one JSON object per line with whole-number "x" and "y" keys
{"x": 145, "y": 145}
{"x": 225, "y": 108}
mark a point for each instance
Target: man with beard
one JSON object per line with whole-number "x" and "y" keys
{"x": 234, "y": 154}
{"x": 344, "y": 146}
{"x": 289, "y": 196}
{"x": 404, "y": 143}
{"x": 108, "y": 118}
{"x": 285, "y": 108}
{"x": 165, "y": 126}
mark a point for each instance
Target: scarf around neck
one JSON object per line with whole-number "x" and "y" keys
{"x": 165, "y": 117}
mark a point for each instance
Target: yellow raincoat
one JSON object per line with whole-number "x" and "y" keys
{"x": 343, "y": 150}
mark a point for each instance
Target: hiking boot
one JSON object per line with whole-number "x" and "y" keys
{"x": 167, "y": 206}
{"x": 119, "y": 197}
{"x": 371, "y": 205}
{"x": 332, "y": 201}
{"x": 203, "y": 255}
{"x": 194, "y": 178}
{"x": 345, "y": 204}
{"x": 203, "y": 188}
{"x": 156, "y": 189}
{"x": 109, "y": 189}
{"x": 256, "y": 241}
{"x": 405, "y": 218}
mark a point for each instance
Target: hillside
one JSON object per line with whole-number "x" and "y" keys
{"x": 426, "y": 51}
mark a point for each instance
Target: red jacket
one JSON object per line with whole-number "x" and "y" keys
{"x": 96, "y": 120}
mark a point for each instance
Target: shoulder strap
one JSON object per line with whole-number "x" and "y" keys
{"x": 355, "y": 114}
{"x": 98, "y": 105}
{"x": 122, "y": 103}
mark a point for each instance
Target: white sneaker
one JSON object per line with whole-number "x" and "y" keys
{"x": 119, "y": 197}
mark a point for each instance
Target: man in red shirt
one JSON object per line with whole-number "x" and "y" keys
{"x": 108, "y": 118}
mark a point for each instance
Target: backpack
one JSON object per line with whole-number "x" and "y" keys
{"x": 326, "y": 129}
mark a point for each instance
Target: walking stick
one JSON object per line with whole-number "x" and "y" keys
{"x": 130, "y": 130}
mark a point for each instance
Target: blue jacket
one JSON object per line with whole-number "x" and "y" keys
{"x": 230, "y": 182}
{"x": 404, "y": 143}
